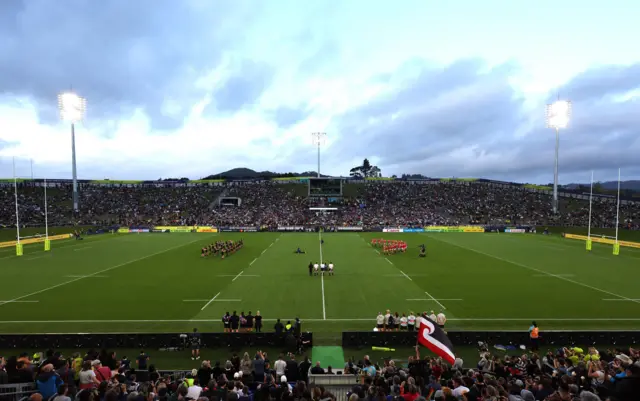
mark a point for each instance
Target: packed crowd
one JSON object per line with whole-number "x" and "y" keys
{"x": 271, "y": 204}
{"x": 566, "y": 374}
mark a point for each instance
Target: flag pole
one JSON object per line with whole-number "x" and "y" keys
{"x": 15, "y": 193}
{"x": 616, "y": 245}
{"x": 590, "y": 202}
{"x": 47, "y": 242}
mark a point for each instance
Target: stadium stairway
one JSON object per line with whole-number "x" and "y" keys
{"x": 216, "y": 201}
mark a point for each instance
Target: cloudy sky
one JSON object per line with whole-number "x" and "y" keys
{"x": 195, "y": 87}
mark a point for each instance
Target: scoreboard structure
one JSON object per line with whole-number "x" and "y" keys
{"x": 325, "y": 187}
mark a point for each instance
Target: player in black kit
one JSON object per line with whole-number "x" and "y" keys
{"x": 311, "y": 268}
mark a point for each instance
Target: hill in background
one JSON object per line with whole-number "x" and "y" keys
{"x": 247, "y": 173}
{"x": 633, "y": 185}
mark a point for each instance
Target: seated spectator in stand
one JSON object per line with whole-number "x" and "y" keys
{"x": 317, "y": 370}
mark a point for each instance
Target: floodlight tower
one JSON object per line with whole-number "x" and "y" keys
{"x": 558, "y": 115}
{"x": 72, "y": 109}
{"x": 319, "y": 139}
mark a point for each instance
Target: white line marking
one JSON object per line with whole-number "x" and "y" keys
{"x": 101, "y": 271}
{"x": 390, "y": 262}
{"x": 404, "y": 274}
{"x": 430, "y": 299}
{"x": 215, "y": 300}
{"x": 558, "y": 275}
{"x": 92, "y": 276}
{"x": 236, "y": 277}
{"x": 211, "y": 300}
{"x": 324, "y": 308}
{"x": 21, "y": 302}
{"x": 498, "y": 319}
{"x": 539, "y": 271}
{"x": 270, "y": 245}
{"x": 435, "y": 300}
{"x": 263, "y": 252}
{"x": 83, "y": 248}
{"x": 254, "y": 261}
{"x": 36, "y": 257}
{"x": 377, "y": 251}
{"x": 618, "y": 299}
{"x": 65, "y": 244}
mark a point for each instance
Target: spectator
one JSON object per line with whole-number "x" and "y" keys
{"x": 280, "y": 366}
{"x": 194, "y": 390}
{"x": 628, "y": 388}
{"x": 103, "y": 373}
{"x": 258, "y": 367}
{"x": 4, "y": 377}
{"x": 317, "y": 370}
{"x": 63, "y": 393}
{"x": 142, "y": 360}
{"x": 246, "y": 366}
{"x": 87, "y": 377}
{"x": 47, "y": 381}
{"x": 292, "y": 369}
{"x": 205, "y": 372}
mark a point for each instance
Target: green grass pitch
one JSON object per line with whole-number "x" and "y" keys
{"x": 159, "y": 283}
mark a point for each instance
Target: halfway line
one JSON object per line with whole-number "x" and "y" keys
{"x": 324, "y": 309}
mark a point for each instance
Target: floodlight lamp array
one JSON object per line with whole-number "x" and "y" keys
{"x": 72, "y": 107}
{"x": 558, "y": 114}
{"x": 319, "y": 138}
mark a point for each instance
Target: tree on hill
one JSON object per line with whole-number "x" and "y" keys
{"x": 365, "y": 170}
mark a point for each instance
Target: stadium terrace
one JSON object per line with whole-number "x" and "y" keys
{"x": 240, "y": 290}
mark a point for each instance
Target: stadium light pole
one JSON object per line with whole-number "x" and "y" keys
{"x": 72, "y": 109}
{"x": 557, "y": 116}
{"x": 319, "y": 139}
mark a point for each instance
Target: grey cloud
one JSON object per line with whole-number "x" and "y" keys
{"x": 461, "y": 121}
{"x": 119, "y": 54}
{"x": 600, "y": 81}
{"x": 244, "y": 87}
{"x": 287, "y": 117}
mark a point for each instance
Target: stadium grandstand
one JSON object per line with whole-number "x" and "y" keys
{"x": 103, "y": 278}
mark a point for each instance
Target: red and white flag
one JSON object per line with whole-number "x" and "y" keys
{"x": 433, "y": 337}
